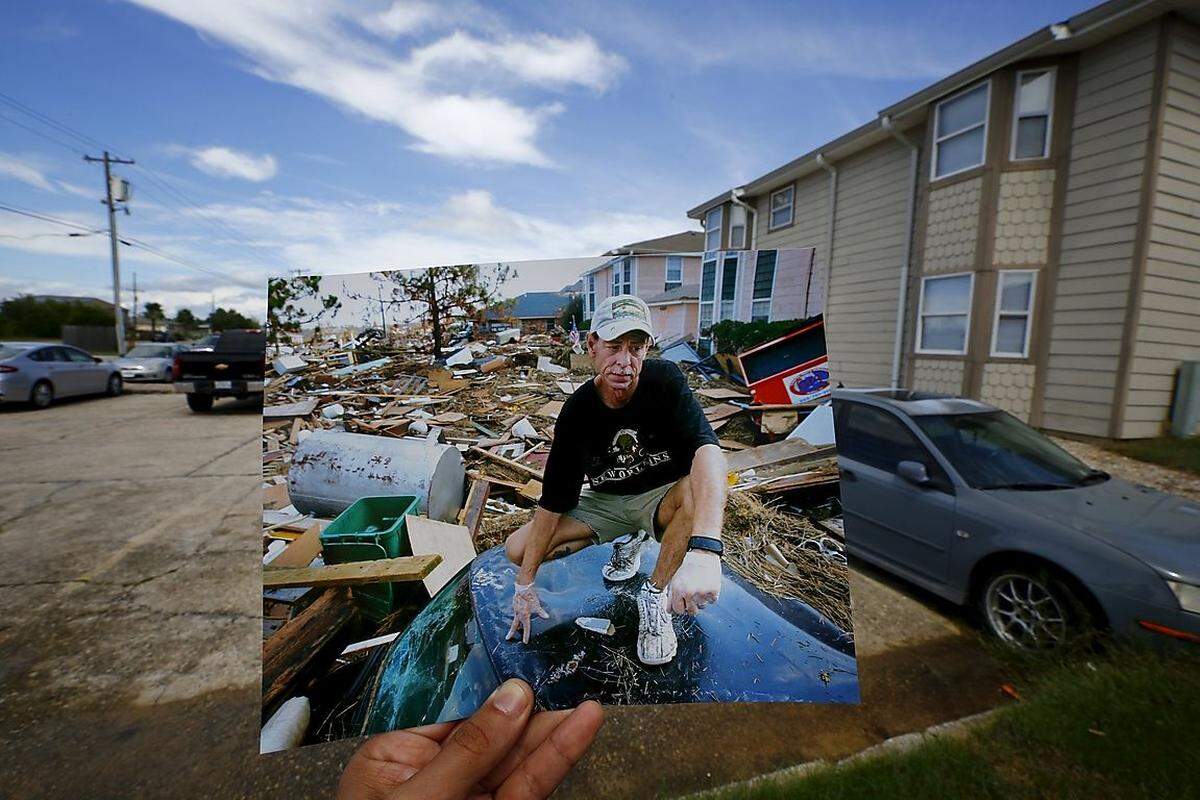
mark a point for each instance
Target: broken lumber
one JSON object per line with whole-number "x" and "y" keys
{"x": 508, "y": 462}
{"x": 354, "y": 573}
{"x": 288, "y": 652}
{"x": 472, "y": 512}
{"x": 787, "y": 450}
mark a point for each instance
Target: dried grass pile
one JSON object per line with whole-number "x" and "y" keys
{"x": 494, "y": 529}
{"x": 766, "y": 547}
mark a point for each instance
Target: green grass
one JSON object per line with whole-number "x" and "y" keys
{"x": 1124, "y": 725}
{"x": 1165, "y": 450}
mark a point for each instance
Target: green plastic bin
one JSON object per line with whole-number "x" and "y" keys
{"x": 371, "y": 528}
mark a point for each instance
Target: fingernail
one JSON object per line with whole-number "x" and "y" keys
{"x": 509, "y": 698}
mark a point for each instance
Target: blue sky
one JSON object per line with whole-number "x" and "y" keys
{"x": 338, "y": 136}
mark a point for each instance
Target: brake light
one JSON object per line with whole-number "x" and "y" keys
{"x": 176, "y": 368}
{"x": 7, "y": 368}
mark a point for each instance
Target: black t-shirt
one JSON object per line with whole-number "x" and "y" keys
{"x": 647, "y": 443}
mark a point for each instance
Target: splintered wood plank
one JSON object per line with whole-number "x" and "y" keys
{"x": 292, "y": 647}
{"x": 451, "y": 543}
{"x": 355, "y": 573}
{"x": 299, "y": 409}
{"x": 722, "y": 394}
{"x": 530, "y": 471}
{"x": 787, "y": 450}
{"x": 551, "y": 409}
{"x": 449, "y": 417}
{"x": 472, "y": 513}
{"x": 722, "y": 411}
{"x": 732, "y": 444}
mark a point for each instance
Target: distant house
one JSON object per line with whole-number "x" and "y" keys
{"x": 534, "y": 312}
{"x": 1025, "y": 231}
{"x": 665, "y": 272}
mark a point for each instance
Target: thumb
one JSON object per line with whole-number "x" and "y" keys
{"x": 476, "y": 745}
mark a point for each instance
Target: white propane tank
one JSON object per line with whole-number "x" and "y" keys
{"x": 332, "y": 469}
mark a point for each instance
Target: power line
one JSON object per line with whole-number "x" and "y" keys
{"x": 45, "y": 136}
{"x": 150, "y": 175}
{"x": 125, "y": 240}
{"x": 47, "y": 218}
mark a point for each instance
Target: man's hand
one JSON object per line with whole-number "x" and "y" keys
{"x": 696, "y": 583}
{"x": 501, "y": 751}
{"x": 525, "y": 604}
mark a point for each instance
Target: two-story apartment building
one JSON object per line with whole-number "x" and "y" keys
{"x": 1025, "y": 231}
{"x": 665, "y": 272}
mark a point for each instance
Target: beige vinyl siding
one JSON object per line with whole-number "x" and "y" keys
{"x": 650, "y": 275}
{"x": 1109, "y": 133}
{"x": 864, "y": 286}
{"x": 1168, "y": 328}
{"x": 809, "y": 229}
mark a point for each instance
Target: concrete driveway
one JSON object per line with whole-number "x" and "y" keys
{"x": 130, "y": 633}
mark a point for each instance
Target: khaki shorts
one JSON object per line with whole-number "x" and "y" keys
{"x": 613, "y": 515}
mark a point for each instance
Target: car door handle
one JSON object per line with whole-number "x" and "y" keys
{"x": 848, "y": 475}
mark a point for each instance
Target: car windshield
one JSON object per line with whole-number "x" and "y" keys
{"x": 149, "y": 351}
{"x": 997, "y": 451}
{"x": 438, "y": 670}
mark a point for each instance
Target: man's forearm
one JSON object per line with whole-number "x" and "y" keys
{"x": 709, "y": 487}
{"x": 541, "y": 533}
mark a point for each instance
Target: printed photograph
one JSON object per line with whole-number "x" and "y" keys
{"x": 614, "y": 478}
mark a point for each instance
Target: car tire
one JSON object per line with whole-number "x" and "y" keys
{"x": 1032, "y": 608}
{"x": 115, "y": 385}
{"x": 200, "y": 403}
{"x": 41, "y": 395}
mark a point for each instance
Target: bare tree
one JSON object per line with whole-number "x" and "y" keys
{"x": 440, "y": 294}
{"x": 286, "y": 311}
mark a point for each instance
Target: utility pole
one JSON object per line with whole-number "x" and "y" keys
{"x": 382, "y": 315}
{"x": 107, "y": 160}
{"x": 135, "y": 307}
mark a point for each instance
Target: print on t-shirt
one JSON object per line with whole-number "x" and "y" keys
{"x": 630, "y": 457}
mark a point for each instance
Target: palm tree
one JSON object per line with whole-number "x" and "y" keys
{"x": 154, "y": 313}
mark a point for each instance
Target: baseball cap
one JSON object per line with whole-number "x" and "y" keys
{"x": 620, "y": 314}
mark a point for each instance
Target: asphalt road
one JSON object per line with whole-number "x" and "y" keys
{"x": 130, "y": 634}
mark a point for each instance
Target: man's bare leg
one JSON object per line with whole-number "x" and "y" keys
{"x": 570, "y": 536}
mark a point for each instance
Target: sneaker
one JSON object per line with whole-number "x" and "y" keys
{"x": 626, "y": 557}
{"x": 656, "y": 633}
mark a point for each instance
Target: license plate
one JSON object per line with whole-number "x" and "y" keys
{"x": 224, "y": 384}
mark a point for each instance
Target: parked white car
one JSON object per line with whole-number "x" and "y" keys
{"x": 39, "y": 373}
{"x": 149, "y": 361}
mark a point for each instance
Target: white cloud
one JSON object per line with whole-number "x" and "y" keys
{"x": 435, "y": 94}
{"x": 21, "y": 170}
{"x": 225, "y": 162}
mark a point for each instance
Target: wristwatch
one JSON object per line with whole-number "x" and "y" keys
{"x": 707, "y": 544}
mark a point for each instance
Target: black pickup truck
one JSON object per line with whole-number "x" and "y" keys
{"x": 230, "y": 366}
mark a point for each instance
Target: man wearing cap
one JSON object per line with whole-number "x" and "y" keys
{"x": 653, "y": 464}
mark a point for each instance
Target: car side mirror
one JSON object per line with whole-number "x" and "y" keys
{"x": 914, "y": 472}
{"x": 97, "y": 359}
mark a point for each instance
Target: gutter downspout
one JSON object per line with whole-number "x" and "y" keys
{"x": 824, "y": 164}
{"x": 735, "y": 197}
{"x": 914, "y": 156}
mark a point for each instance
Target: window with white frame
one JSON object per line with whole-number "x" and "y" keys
{"x": 674, "y": 276}
{"x": 1031, "y": 117}
{"x": 764, "y": 285}
{"x": 737, "y": 226}
{"x": 589, "y": 297}
{"x": 783, "y": 204}
{"x": 960, "y": 131}
{"x": 712, "y": 229}
{"x": 729, "y": 273}
{"x": 622, "y": 276}
{"x": 945, "y": 314}
{"x": 1014, "y": 313}
{"x": 708, "y": 291}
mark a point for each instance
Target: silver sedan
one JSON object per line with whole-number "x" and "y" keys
{"x": 39, "y": 373}
{"x": 149, "y": 361}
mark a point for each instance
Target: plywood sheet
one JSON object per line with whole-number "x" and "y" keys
{"x": 451, "y": 542}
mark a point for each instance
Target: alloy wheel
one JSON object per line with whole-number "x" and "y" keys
{"x": 1024, "y": 611}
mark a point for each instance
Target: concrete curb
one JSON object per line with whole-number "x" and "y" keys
{"x": 897, "y": 744}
